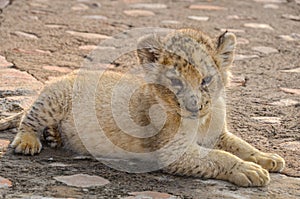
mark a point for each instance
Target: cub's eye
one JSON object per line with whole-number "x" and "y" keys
{"x": 176, "y": 82}
{"x": 206, "y": 81}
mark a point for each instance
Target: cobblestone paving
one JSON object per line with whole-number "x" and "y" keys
{"x": 44, "y": 39}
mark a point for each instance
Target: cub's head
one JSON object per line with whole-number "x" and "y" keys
{"x": 188, "y": 67}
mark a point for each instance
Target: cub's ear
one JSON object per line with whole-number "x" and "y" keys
{"x": 225, "y": 49}
{"x": 148, "y": 49}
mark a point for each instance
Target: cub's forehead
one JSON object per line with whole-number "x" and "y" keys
{"x": 188, "y": 54}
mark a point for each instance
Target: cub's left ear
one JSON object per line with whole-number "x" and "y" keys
{"x": 225, "y": 49}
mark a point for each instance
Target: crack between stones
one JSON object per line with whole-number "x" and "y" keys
{"x": 14, "y": 66}
{"x": 290, "y": 176}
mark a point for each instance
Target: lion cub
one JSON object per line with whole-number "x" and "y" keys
{"x": 185, "y": 73}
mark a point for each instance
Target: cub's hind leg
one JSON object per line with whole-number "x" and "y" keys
{"x": 43, "y": 116}
{"x": 52, "y": 137}
{"x": 235, "y": 145}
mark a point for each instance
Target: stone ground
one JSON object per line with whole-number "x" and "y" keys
{"x": 43, "y": 39}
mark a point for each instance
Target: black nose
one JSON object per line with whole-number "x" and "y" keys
{"x": 192, "y": 104}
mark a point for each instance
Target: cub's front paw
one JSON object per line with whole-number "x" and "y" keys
{"x": 270, "y": 161}
{"x": 27, "y": 143}
{"x": 248, "y": 174}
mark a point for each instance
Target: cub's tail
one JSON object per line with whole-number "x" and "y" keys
{"x": 11, "y": 122}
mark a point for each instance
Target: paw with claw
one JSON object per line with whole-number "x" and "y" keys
{"x": 269, "y": 161}
{"x": 27, "y": 143}
{"x": 248, "y": 174}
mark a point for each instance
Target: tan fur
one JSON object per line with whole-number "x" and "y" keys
{"x": 183, "y": 62}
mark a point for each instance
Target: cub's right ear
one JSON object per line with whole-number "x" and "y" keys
{"x": 148, "y": 49}
{"x": 225, "y": 49}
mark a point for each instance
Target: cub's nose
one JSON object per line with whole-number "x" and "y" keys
{"x": 192, "y": 104}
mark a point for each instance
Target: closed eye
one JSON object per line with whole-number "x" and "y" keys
{"x": 206, "y": 81}
{"x": 176, "y": 82}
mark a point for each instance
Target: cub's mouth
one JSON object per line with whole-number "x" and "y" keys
{"x": 192, "y": 114}
{"x": 198, "y": 115}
